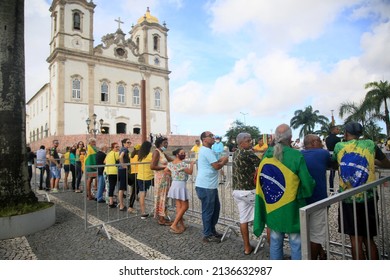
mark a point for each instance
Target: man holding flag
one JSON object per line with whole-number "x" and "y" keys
{"x": 91, "y": 172}
{"x": 283, "y": 183}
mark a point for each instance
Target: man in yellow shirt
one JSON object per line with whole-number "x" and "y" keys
{"x": 195, "y": 149}
{"x": 261, "y": 147}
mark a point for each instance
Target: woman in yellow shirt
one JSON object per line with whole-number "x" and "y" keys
{"x": 145, "y": 175}
{"x": 111, "y": 170}
{"x": 66, "y": 157}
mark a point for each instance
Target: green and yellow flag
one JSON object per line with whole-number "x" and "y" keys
{"x": 90, "y": 159}
{"x": 276, "y": 192}
{"x": 356, "y": 160}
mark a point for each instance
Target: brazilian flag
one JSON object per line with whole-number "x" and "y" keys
{"x": 90, "y": 159}
{"x": 276, "y": 197}
{"x": 356, "y": 160}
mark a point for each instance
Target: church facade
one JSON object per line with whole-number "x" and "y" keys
{"x": 103, "y": 82}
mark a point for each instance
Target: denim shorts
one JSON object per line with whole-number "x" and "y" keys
{"x": 55, "y": 172}
{"x": 66, "y": 168}
{"x": 143, "y": 186}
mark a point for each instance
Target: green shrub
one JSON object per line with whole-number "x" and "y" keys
{"x": 23, "y": 208}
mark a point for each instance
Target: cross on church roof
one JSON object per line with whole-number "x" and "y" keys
{"x": 119, "y": 22}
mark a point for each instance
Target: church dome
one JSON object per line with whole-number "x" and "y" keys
{"x": 148, "y": 17}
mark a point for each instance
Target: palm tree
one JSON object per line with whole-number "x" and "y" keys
{"x": 14, "y": 185}
{"x": 373, "y": 131}
{"x": 377, "y": 96}
{"x": 356, "y": 112}
{"x": 324, "y": 130}
{"x": 307, "y": 120}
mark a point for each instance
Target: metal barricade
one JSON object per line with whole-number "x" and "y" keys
{"x": 102, "y": 213}
{"x": 336, "y": 245}
{"x": 228, "y": 221}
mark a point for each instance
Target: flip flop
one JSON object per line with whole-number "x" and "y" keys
{"x": 250, "y": 252}
{"x": 175, "y": 231}
{"x": 166, "y": 223}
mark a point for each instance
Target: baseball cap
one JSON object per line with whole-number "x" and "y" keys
{"x": 354, "y": 128}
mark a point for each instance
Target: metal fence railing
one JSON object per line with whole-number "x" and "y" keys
{"x": 336, "y": 244}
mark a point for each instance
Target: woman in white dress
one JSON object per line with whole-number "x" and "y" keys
{"x": 179, "y": 171}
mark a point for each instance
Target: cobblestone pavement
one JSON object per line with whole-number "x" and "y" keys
{"x": 131, "y": 239}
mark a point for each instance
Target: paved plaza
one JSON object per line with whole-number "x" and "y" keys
{"x": 131, "y": 239}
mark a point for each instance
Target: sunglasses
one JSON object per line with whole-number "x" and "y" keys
{"x": 210, "y": 135}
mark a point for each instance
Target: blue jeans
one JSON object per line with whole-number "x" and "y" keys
{"x": 332, "y": 174}
{"x": 101, "y": 186}
{"x": 276, "y": 245}
{"x": 210, "y": 209}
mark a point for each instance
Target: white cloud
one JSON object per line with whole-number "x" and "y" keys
{"x": 181, "y": 71}
{"x": 376, "y": 45}
{"x": 188, "y": 98}
{"x": 38, "y": 8}
{"x": 372, "y": 9}
{"x": 37, "y": 37}
{"x": 278, "y": 22}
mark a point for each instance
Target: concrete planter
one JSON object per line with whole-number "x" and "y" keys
{"x": 22, "y": 225}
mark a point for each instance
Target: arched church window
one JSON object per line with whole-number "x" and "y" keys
{"x": 156, "y": 43}
{"x": 76, "y": 88}
{"x": 105, "y": 130}
{"x": 55, "y": 23}
{"x": 137, "y": 41}
{"x": 104, "y": 92}
{"x": 121, "y": 94}
{"x": 157, "y": 99}
{"x": 120, "y": 128}
{"x": 136, "y": 97}
{"x": 136, "y": 130}
{"x": 76, "y": 21}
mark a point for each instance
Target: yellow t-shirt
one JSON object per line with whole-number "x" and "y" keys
{"x": 82, "y": 159}
{"x": 260, "y": 150}
{"x": 134, "y": 166}
{"x": 196, "y": 149}
{"x": 111, "y": 158}
{"x": 66, "y": 158}
{"x": 144, "y": 171}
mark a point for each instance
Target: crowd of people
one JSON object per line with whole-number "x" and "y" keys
{"x": 271, "y": 182}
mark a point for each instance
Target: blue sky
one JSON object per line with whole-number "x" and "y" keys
{"x": 255, "y": 61}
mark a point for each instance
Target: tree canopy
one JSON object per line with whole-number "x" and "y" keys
{"x": 237, "y": 126}
{"x": 307, "y": 119}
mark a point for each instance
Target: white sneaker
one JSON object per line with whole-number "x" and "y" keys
{"x": 144, "y": 216}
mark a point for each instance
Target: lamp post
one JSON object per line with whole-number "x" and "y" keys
{"x": 244, "y": 114}
{"x": 143, "y": 104}
{"x": 94, "y": 130}
{"x": 332, "y": 117}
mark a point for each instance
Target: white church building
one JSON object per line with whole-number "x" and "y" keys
{"x": 102, "y": 80}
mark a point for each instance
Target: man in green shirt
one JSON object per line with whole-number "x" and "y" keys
{"x": 245, "y": 162}
{"x": 283, "y": 184}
